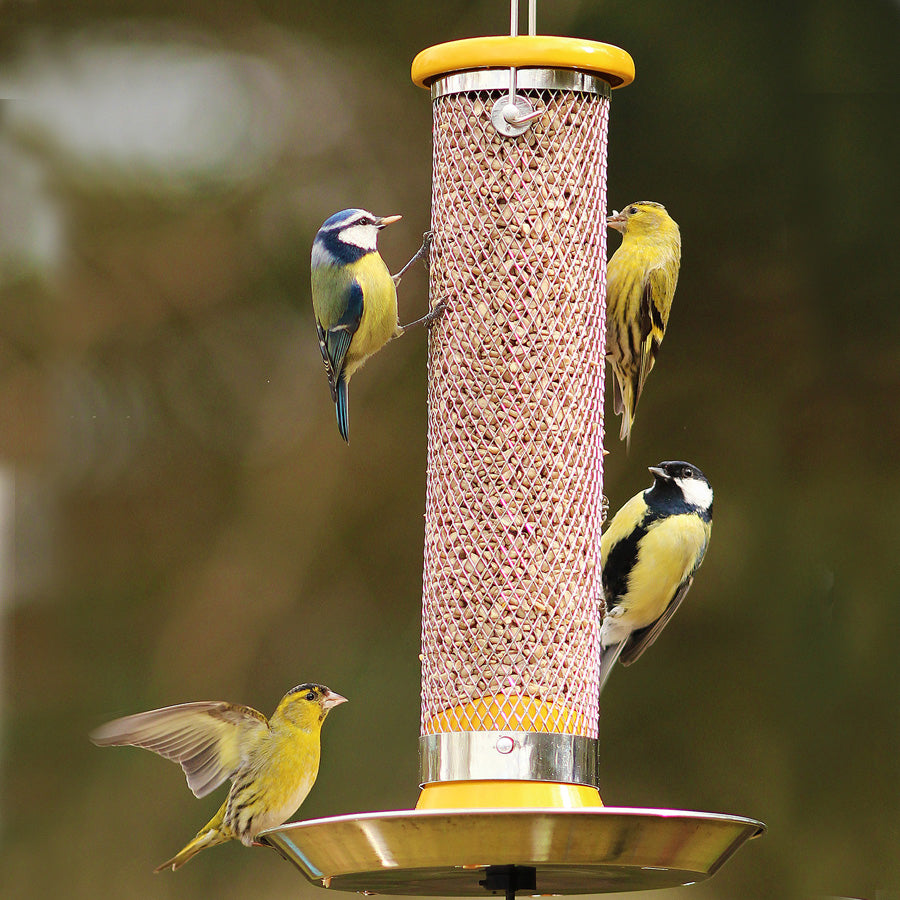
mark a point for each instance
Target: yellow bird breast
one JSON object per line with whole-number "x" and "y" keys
{"x": 380, "y": 318}
{"x": 667, "y": 555}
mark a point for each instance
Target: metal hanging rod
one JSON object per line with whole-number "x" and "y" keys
{"x": 514, "y": 115}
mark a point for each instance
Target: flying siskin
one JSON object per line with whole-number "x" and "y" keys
{"x": 354, "y": 298}
{"x": 640, "y": 283}
{"x": 649, "y": 554}
{"x": 272, "y": 763}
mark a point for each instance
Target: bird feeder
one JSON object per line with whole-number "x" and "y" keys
{"x": 512, "y": 598}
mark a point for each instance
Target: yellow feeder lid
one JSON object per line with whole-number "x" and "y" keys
{"x": 536, "y": 51}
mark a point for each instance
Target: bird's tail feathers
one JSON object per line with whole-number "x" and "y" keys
{"x": 624, "y": 402}
{"x": 343, "y": 410}
{"x": 608, "y": 657}
{"x": 627, "y": 421}
{"x": 209, "y": 837}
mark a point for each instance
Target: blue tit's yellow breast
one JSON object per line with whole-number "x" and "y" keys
{"x": 379, "y": 320}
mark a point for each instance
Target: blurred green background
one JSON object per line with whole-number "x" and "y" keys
{"x": 179, "y": 519}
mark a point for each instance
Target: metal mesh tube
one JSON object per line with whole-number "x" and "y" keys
{"x": 511, "y": 593}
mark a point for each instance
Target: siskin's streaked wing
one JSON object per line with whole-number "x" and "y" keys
{"x": 205, "y": 738}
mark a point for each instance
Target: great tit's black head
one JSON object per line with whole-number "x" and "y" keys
{"x": 687, "y": 479}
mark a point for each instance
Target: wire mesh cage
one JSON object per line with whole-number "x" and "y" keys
{"x": 514, "y": 497}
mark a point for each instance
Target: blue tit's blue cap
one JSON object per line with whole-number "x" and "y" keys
{"x": 339, "y": 217}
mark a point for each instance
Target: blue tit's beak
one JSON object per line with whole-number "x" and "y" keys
{"x": 387, "y": 220}
{"x": 657, "y": 472}
{"x": 617, "y": 220}
{"x": 332, "y": 699}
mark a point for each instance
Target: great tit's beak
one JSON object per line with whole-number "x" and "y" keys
{"x": 657, "y": 472}
{"x": 617, "y": 220}
{"x": 332, "y": 699}
{"x": 387, "y": 220}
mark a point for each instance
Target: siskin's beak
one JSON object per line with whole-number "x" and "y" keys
{"x": 387, "y": 220}
{"x": 332, "y": 699}
{"x": 618, "y": 221}
{"x": 657, "y": 472}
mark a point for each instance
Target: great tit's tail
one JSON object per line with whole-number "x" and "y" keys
{"x": 608, "y": 657}
{"x": 343, "y": 411}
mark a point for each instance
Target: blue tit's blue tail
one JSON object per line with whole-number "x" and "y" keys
{"x": 343, "y": 411}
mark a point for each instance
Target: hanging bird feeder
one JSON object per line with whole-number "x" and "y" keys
{"x": 512, "y": 598}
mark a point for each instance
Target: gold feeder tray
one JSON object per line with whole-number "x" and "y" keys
{"x": 573, "y": 851}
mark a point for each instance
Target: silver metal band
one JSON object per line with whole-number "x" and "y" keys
{"x": 507, "y": 756}
{"x": 526, "y": 79}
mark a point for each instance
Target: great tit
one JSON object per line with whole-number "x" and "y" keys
{"x": 649, "y": 554}
{"x": 354, "y": 298}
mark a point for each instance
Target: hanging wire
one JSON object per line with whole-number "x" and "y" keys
{"x": 514, "y": 116}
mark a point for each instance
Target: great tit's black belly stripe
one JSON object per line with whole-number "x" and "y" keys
{"x": 620, "y": 562}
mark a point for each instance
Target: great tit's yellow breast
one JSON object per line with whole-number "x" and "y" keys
{"x": 667, "y": 554}
{"x": 379, "y": 320}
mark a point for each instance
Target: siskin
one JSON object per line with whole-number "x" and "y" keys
{"x": 354, "y": 298}
{"x": 640, "y": 283}
{"x": 649, "y": 555}
{"x": 272, "y": 763}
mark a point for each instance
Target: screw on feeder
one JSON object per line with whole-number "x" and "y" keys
{"x": 512, "y": 116}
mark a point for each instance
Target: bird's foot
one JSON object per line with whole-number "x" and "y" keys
{"x": 428, "y": 319}
{"x": 423, "y": 252}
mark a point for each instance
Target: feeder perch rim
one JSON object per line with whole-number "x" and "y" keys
{"x": 445, "y": 852}
{"x": 542, "y": 51}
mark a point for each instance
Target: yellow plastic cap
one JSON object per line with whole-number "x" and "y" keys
{"x": 539, "y": 51}
{"x": 508, "y": 795}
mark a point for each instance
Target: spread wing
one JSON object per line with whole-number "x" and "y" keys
{"x": 206, "y": 738}
{"x": 641, "y": 638}
{"x": 338, "y": 305}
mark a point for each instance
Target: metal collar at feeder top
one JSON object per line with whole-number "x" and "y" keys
{"x": 511, "y": 586}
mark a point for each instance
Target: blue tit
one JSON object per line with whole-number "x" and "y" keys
{"x": 354, "y": 298}
{"x": 649, "y": 555}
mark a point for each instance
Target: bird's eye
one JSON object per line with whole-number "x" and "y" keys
{"x": 632, "y": 210}
{"x": 310, "y": 695}
{"x": 687, "y": 472}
